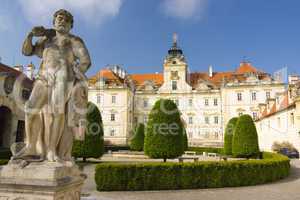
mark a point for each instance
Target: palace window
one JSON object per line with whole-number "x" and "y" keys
{"x": 254, "y": 115}
{"x": 239, "y": 96}
{"x": 113, "y": 99}
{"x": 206, "y": 134}
{"x": 190, "y": 120}
{"x": 174, "y": 85}
{"x": 176, "y": 102}
{"x": 112, "y": 117}
{"x": 278, "y": 122}
{"x": 215, "y": 102}
{"x": 216, "y": 135}
{"x": 112, "y": 132}
{"x": 190, "y": 134}
{"x": 292, "y": 119}
{"x": 145, "y": 119}
{"x": 145, "y": 103}
{"x": 206, "y": 102}
{"x": 216, "y": 119}
{"x": 206, "y": 120}
{"x": 253, "y": 96}
{"x": 190, "y": 102}
{"x": 98, "y": 98}
{"x": 268, "y": 95}
{"x": 240, "y": 114}
{"x": 199, "y": 134}
{"x": 135, "y": 120}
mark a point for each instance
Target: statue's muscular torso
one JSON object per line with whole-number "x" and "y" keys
{"x": 58, "y": 59}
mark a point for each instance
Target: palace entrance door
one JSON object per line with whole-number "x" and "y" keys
{"x": 5, "y": 126}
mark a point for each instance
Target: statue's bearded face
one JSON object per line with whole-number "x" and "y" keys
{"x": 62, "y": 24}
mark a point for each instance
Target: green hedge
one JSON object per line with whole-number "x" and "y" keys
{"x": 200, "y": 150}
{"x": 170, "y": 176}
{"x": 3, "y": 162}
{"x": 5, "y": 154}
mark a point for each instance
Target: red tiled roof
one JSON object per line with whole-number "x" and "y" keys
{"x": 245, "y": 67}
{"x": 139, "y": 79}
{"x": 284, "y": 104}
{"x": 273, "y": 109}
{"x": 27, "y": 83}
{"x": 265, "y": 112}
{"x": 5, "y": 68}
{"x": 108, "y": 75}
{"x": 194, "y": 78}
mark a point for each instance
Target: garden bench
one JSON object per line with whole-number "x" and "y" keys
{"x": 181, "y": 159}
{"x": 211, "y": 154}
{"x": 224, "y": 158}
{"x": 193, "y": 153}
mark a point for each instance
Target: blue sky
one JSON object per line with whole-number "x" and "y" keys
{"x": 138, "y": 33}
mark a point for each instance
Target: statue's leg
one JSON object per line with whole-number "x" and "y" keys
{"x": 55, "y": 120}
{"x": 75, "y": 115}
{"x": 65, "y": 145}
{"x": 33, "y": 120}
{"x": 54, "y": 135}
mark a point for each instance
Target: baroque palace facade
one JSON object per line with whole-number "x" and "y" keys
{"x": 207, "y": 100}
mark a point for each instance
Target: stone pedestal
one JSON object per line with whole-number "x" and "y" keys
{"x": 40, "y": 181}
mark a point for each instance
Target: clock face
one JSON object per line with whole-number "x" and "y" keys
{"x": 9, "y": 84}
{"x": 174, "y": 75}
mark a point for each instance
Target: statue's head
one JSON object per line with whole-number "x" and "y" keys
{"x": 63, "y": 21}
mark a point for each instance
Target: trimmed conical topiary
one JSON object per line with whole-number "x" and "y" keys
{"x": 93, "y": 144}
{"x": 228, "y": 137}
{"x": 137, "y": 142}
{"x": 245, "y": 139}
{"x": 185, "y": 140}
{"x": 164, "y": 132}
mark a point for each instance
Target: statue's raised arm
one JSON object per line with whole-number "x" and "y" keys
{"x": 30, "y": 49}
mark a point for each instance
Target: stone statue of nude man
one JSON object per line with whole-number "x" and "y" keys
{"x": 58, "y": 99}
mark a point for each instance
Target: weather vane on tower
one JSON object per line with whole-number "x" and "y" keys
{"x": 175, "y": 39}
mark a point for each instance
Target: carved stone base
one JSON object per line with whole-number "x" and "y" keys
{"x": 40, "y": 181}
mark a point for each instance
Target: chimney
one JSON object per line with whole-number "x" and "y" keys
{"x": 261, "y": 107}
{"x": 270, "y": 103}
{"x": 19, "y": 68}
{"x": 30, "y": 71}
{"x": 210, "y": 71}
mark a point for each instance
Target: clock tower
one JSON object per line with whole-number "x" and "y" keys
{"x": 175, "y": 70}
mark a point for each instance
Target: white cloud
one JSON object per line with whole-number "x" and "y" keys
{"x": 185, "y": 9}
{"x": 93, "y": 12}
